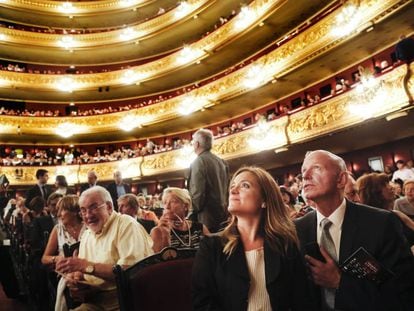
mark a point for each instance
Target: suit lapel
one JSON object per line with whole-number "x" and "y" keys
{"x": 272, "y": 264}
{"x": 237, "y": 264}
{"x": 349, "y": 231}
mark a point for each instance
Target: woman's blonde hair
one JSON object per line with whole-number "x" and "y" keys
{"x": 182, "y": 194}
{"x": 276, "y": 226}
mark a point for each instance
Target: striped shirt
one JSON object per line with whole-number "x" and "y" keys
{"x": 258, "y": 296}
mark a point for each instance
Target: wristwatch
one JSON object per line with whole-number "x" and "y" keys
{"x": 90, "y": 269}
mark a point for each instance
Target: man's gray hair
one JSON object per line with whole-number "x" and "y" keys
{"x": 101, "y": 191}
{"x": 205, "y": 138}
{"x": 339, "y": 162}
{"x": 92, "y": 173}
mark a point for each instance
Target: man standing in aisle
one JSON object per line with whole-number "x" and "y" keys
{"x": 341, "y": 227}
{"x": 118, "y": 188}
{"x": 208, "y": 183}
{"x": 41, "y": 189}
{"x": 92, "y": 181}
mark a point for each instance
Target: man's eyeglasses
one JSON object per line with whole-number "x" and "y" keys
{"x": 90, "y": 209}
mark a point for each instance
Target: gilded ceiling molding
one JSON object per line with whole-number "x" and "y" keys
{"x": 98, "y": 39}
{"x": 198, "y": 50}
{"x": 74, "y": 8}
{"x": 347, "y": 109}
{"x": 336, "y": 114}
{"x": 169, "y": 109}
{"x": 301, "y": 49}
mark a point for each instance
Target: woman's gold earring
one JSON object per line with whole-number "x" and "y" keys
{"x": 263, "y": 205}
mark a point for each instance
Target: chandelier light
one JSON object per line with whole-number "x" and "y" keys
{"x": 190, "y": 104}
{"x": 262, "y": 137}
{"x": 128, "y": 34}
{"x": 185, "y": 156}
{"x": 188, "y": 54}
{"x": 367, "y": 95}
{"x": 347, "y": 21}
{"x": 67, "y": 42}
{"x": 67, "y": 8}
{"x": 68, "y": 129}
{"x": 66, "y": 84}
{"x": 245, "y": 18}
{"x": 182, "y": 9}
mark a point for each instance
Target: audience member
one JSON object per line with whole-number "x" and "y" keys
{"x": 111, "y": 239}
{"x": 43, "y": 225}
{"x": 402, "y": 172}
{"x": 341, "y": 227}
{"x": 173, "y": 229}
{"x": 254, "y": 264}
{"x": 128, "y": 204}
{"x": 208, "y": 180}
{"x": 375, "y": 190}
{"x": 62, "y": 186}
{"x": 118, "y": 188}
{"x": 92, "y": 181}
{"x": 406, "y": 203}
{"x": 41, "y": 189}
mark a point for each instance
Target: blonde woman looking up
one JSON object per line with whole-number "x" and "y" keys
{"x": 255, "y": 263}
{"x": 173, "y": 228}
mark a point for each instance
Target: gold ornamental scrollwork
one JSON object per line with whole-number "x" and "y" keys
{"x": 158, "y": 162}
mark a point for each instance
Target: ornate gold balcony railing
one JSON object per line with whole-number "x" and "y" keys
{"x": 74, "y": 8}
{"x": 333, "y": 115}
{"x": 99, "y": 39}
{"x": 301, "y": 49}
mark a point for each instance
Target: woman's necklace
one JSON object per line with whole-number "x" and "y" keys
{"x": 73, "y": 231}
{"x": 189, "y": 235}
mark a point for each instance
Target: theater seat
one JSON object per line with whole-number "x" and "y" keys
{"x": 159, "y": 282}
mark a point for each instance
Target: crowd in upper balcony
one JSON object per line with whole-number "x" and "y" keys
{"x": 11, "y": 156}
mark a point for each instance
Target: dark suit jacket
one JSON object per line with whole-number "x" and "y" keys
{"x": 84, "y": 187}
{"x": 114, "y": 194}
{"x": 208, "y": 186}
{"x": 221, "y": 283}
{"x": 40, "y": 225}
{"x": 35, "y": 192}
{"x": 380, "y": 233}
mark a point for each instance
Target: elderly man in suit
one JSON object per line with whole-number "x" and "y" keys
{"x": 92, "y": 181}
{"x": 118, "y": 188}
{"x": 208, "y": 183}
{"x": 340, "y": 227}
{"x": 41, "y": 189}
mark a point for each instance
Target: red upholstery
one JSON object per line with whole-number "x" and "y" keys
{"x": 163, "y": 286}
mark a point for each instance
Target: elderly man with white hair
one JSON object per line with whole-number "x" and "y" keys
{"x": 111, "y": 239}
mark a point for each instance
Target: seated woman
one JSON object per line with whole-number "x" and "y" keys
{"x": 254, "y": 263}
{"x": 375, "y": 190}
{"x": 67, "y": 231}
{"x": 128, "y": 204}
{"x": 173, "y": 229}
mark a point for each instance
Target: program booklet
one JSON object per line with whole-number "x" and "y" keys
{"x": 363, "y": 265}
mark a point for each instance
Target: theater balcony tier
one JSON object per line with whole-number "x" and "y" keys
{"x": 352, "y": 111}
{"x": 306, "y": 47}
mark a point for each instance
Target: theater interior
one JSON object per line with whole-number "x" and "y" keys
{"x": 124, "y": 84}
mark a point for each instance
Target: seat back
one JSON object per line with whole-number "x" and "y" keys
{"x": 159, "y": 282}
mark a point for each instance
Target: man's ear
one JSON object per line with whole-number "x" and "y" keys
{"x": 342, "y": 179}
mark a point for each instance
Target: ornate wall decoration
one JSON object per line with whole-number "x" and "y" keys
{"x": 84, "y": 7}
{"x": 137, "y": 32}
{"x": 23, "y": 175}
